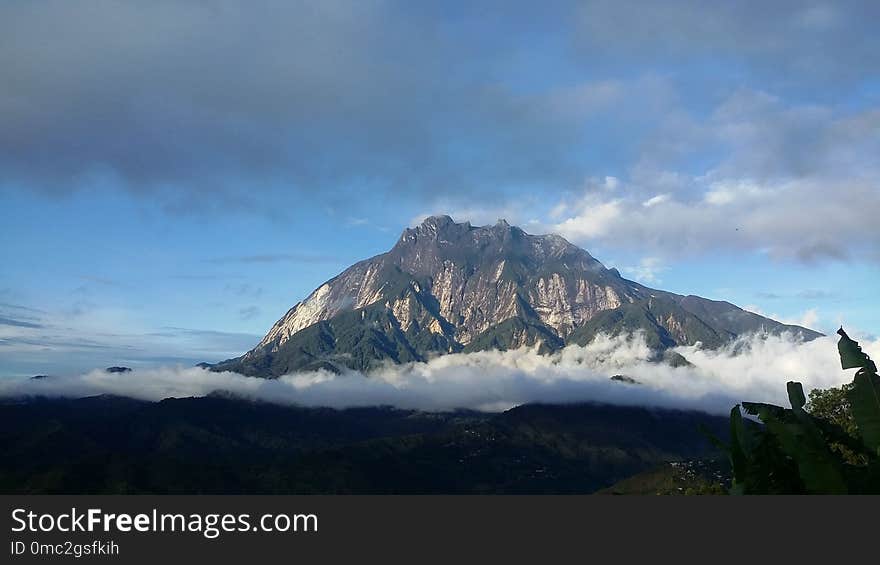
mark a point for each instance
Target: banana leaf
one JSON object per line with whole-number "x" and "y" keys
{"x": 801, "y": 440}
{"x": 851, "y": 354}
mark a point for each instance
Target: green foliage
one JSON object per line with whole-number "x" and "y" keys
{"x": 829, "y": 446}
{"x": 676, "y": 478}
{"x": 832, "y": 406}
{"x": 507, "y": 334}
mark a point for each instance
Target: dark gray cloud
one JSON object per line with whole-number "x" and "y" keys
{"x": 786, "y": 42}
{"x": 236, "y": 106}
{"x": 186, "y": 100}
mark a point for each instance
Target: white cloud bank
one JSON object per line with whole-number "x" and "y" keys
{"x": 755, "y": 369}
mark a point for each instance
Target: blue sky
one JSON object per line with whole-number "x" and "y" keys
{"x": 175, "y": 175}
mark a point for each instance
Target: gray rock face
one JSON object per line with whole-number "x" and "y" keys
{"x": 448, "y": 286}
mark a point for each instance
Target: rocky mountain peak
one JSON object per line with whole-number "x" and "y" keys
{"x": 443, "y": 238}
{"x": 437, "y": 223}
{"x": 433, "y": 229}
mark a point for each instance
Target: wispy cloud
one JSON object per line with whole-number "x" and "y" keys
{"x": 768, "y": 295}
{"x": 177, "y": 331}
{"x": 647, "y": 271}
{"x": 275, "y": 258}
{"x": 808, "y": 294}
{"x": 249, "y": 312}
{"x": 102, "y": 281}
{"x": 59, "y": 344}
{"x": 809, "y": 318}
{"x": 21, "y": 308}
{"x": 207, "y": 277}
{"x": 18, "y": 323}
{"x": 244, "y": 290}
{"x": 814, "y": 294}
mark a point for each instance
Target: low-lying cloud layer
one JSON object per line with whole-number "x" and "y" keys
{"x": 754, "y": 368}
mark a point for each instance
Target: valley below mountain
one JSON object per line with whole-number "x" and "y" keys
{"x": 224, "y": 445}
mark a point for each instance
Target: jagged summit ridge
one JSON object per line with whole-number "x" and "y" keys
{"x": 447, "y": 286}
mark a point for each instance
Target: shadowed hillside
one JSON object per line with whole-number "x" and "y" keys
{"x": 224, "y": 445}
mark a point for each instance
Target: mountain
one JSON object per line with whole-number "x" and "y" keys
{"x": 452, "y": 287}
